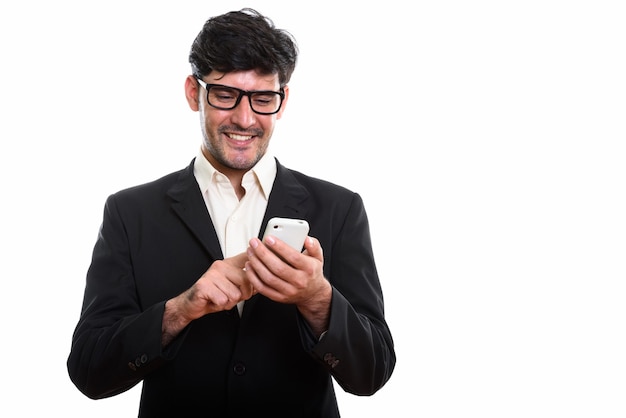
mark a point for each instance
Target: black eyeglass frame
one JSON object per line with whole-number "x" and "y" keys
{"x": 242, "y": 93}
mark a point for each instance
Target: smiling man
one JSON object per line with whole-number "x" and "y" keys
{"x": 182, "y": 295}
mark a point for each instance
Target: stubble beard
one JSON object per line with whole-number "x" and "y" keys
{"x": 241, "y": 162}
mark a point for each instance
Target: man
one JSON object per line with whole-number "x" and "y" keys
{"x": 181, "y": 294}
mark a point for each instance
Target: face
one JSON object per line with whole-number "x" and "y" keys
{"x": 234, "y": 140}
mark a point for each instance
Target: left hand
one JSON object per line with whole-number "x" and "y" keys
{"x": 285, "y": 275}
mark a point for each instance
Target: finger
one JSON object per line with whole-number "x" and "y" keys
{"x": 238, "y": 286}
{"x": 261, "y": 286}
{"x": 224, "y": 285}
{"x": 284, "y": 251}
{"x": 238, "y": 261}
{"x": 246, "y": 288}
{"x": 260, "y": 257}
{"x": 209, "y": 297}
{"x": 269, "y": 274}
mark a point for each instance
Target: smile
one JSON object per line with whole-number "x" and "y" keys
{"x": 239, "y": 137}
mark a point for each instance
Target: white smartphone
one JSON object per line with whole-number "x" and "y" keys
{"x": 291, "y": 231}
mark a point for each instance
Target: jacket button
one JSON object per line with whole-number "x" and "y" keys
{"x": 239, "y": 369}
{"x": 331, "y": 360}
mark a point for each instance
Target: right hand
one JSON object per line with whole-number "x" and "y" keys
{"x": 220, "y": 288}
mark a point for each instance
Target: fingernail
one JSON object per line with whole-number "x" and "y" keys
{"x": 270, "y": 240}
{"x": 254, "y": 243}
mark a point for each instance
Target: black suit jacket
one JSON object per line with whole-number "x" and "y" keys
{"x": 157, "y": 239}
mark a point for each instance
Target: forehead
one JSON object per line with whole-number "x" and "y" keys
{"x": 245, "y": 80}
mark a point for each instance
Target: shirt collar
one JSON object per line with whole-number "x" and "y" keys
{"x": 264, "y": 171}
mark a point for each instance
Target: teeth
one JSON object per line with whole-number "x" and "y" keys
{"x": 240, "y": 137}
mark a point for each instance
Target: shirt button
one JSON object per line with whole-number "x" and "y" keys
{"x": 239, "y": 369}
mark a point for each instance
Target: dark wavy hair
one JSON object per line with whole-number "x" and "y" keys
{"x": 241, "y": 41}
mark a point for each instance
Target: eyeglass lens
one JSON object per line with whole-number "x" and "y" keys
{"x": 227, "y": 98}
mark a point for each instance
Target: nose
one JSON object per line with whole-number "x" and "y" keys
{"x": 243, "y": 115}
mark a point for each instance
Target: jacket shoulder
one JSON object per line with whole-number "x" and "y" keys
{"x": 157, "y": 187}
{"x": 315, "y": 184}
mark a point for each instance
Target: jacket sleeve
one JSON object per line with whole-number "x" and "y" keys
{"x": 116, "y": 342}
{"x": 357, "y": 349}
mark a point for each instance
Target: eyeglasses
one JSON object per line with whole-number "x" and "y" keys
{"x": 263, "y": 102}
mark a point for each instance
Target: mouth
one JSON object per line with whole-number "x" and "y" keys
{"x": 238, "y": 137}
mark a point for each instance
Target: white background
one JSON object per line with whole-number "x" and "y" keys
{"x": 486, "y": 138}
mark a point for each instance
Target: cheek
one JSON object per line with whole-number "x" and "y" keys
{"x": 211, "y": 120}
{"x": 268, "y": 127}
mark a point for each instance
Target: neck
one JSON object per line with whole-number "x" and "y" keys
{"x": 234, "y": 175}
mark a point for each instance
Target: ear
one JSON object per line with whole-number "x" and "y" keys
{"x": 192, "y": 92}
{"x": 284, "y": 105}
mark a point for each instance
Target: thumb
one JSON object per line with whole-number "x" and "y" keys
{"x": 313, "y": 248}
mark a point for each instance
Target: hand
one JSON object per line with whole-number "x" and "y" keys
{"x": 220, "y": 288}
{"x": 285, "y": 275}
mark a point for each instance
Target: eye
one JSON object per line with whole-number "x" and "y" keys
{"x": 265, "y": 99}
{"x": 223, "y": 94}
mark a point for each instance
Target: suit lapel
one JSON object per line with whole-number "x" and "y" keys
{"x": 188, "y": 204}
{"x": 287, "y": 199}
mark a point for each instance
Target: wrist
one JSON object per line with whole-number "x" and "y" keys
{"x": 173, "y": 321}
{"x": 316, "y": 310}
